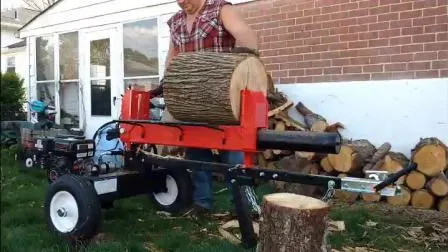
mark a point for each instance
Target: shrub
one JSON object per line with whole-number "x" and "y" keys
{"x": 12, "y": 97}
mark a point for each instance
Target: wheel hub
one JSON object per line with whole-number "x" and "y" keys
{"x": 64, "y": 212}
{"x": 168, "y": 196}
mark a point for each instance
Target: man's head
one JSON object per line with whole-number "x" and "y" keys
{"x": 190, "y": 6}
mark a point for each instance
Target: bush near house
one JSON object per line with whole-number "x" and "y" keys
{"x": 12, "y": 97}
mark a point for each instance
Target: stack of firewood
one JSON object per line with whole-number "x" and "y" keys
{"x": 427, "y": 187}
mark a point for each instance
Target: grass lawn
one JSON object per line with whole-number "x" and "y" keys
{"x": 134, "y": 224}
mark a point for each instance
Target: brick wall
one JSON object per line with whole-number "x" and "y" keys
{"x": 341, "y": 40}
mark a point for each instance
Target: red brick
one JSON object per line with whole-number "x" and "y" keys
{"x": 294, "y": 14}
{"x": 401, "y": 7}
{"x": 294, "y": 43}
{"x": 348, "y": 6}
{"x": 287, "y": 80}
{"x": 287, "y": 65}
{"x": 389, "y": 33}
{"x": 294, "y": 58}
{"x": 443, "y": 36}
{"x": 400, "y": 40}
{"x": 349, "y": 53}
{"x": 338, "y": 46}
{"x": 402, "y": 57}
{"x": 286, "y": 51}
{"x": 322, "y": 3}
{"x": 304, "y": 20}
{"x": 288, "y": 8}
{"x": 442, "y": 19}
{"x": 313, "y": 71}
{"x": 270, "y": 38}
{"x": 272, "y": 67}
{"x": 358, "y": 28}
{"x": 357, "y": 44}
{"x": 311, "y": 12}
{"x": 423, "y": 38}
{"x": 379, "y": 10}
{"x": 352, "y": 69}
{"x": 372, "y": 68}
{"x": 333, "y": 70}
{"x": 311, "y": 56}
{"x": 412, "y": 30}
{"x": 379, "y": 26}
{"x": 321, "y": 18}
{"x": 320, "y": 33}
{"x": 311, "y": 41}
{"x": 331, "y": 24}
{"x": 441, "y": 10}
{"x": 359, "y": 13}
{"x": 427, "y": 74}
{"x": 379, "y": 59}
{"x": 331, "y": 9}
{"x": 268, "y": 53}
{"x": 443, "y": 55}
{"x": 279, "y": 44}
{"x": 393, "y": 76}
{"x": 297, "y": 72}
{"x": 436, "y": 28}
{"x": 368, "y": 3}
{"x": 301, "y": 35}
{"x": 395, "y": 67}
{"x": 390, "y": 50}
{"x": 304, "y": 64}
{"x": 419, "y": 65}
{"x": 441, "y": 64}
{"x": 442, "y": 2}
{"x": 411, "y": 48}
{"x": 423, "y": 21}
{"x": 281, "y": 3}
{"x": 306, "y": 5}
{"x": 425, "y": 56}
{"x": 385, "y": 2}
{"x": 281, "y": 73}
{"x": 340, "y": 62}
{"x": 410, "y": 14}
{"x": 424, "y": 4}
{"x": 368, "y": 35}
{"x": 401, "y": 23}
{"x": 339, "y": 30}
{"x": 321, "y": 63}
{"x": 443, "y": 73}
{"x": 322, "y": 78}
{"x": 360, "y": 61}
{"x": 289, "y": 36}
{"x": 351, "y": 77}
{"x": 339, "y": 15}
{"x": 367, "y": 20}
{"x": 330, "y": 39}
{"x": 437, "y": 46}
{"x": 388, "y": 17}
{"x": 348, "y": 37}
{"x": 313, "y": 26}
{"x": 378, "y": 42}
{"x": 305, "y": 79}
{"x": 330, "y": 55}
{"x": 347, "y": 21}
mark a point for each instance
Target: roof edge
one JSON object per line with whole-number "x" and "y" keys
{"x": 38, "y": 15}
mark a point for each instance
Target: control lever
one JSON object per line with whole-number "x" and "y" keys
{"x": 394, "y": 177}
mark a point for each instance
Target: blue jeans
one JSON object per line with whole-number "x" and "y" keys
{"x": 203, "y": 192}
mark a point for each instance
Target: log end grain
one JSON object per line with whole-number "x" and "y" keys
{"x": 431, "y": 156}
{"x": 443, "y": 204}
{"x": 422, "y": 199}
{"x": 415, "y": 180}
{"x": 402, "y": 199}
{"x": 438, "y": 185}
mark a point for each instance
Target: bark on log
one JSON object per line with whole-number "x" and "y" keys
{"x": 415, "y": 180}
{"x": 293, "y": 223}
{"x": 314, "y": 122}
{"x": 438, "y": 185}
{"x": 394, "y": 162}
{"x": 442, "y": 205}
{"x": 379, "y": 154}
{"x": 422, "y": 199}
{"x": 431, "y": 156}
{"x": 352, "y": 156}
{"x": 206, "y": 86}
{"x": 400, "y": 200}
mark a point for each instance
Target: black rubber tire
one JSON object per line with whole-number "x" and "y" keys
{"x": 185, "y": 192}
{"x": 89, "y": 208}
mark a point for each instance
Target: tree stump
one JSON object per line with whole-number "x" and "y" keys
{"x": 206, "y": 86}
{"x": 292, "y": 222}
{"x": 431, "y": 156}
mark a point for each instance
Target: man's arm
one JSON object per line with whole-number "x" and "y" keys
{"x": 235, "y": 24}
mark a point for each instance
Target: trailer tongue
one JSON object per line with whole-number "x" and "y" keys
{"x": 73, "y": 203}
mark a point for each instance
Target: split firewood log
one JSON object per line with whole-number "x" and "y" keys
{"x": 422, "y": 199}
{"x": 313, "y": 121}
{"x": 438, "y": 185}
{"x": 400, "y": 200}
{"x": 279, "y": 126}
{"x": 206, "y": 86}
{"x": 415, "y": 180}
{"x": 379, "y": 155}
{"x": 325, "y": 164}
{"x": 285, "y": 218}
{"x": 289, "y": 122}
{"x": 442, "y": 205}
{"x": 431, "y": 156}
{"x": 352, "y": 155}
{"x": 394, "y": 162}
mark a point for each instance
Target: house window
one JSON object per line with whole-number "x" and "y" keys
{"x": 100, "y": 74}
{"x": 69, "y": 79}
{"x": 140, "y": 49}
{"x": 11, "y": 64}
{"x": 45, "y": 69}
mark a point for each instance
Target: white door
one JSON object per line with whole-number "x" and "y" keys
{"x": 100, "y": 77}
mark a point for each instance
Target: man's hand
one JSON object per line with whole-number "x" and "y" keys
{"x": 235, "y": 24}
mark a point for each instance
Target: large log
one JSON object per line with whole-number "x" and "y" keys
{"x": 431, "y": 156}
{"x": 422, "y": 199}
{"x": 442, "y": 205}
{"x": 206, "y": 86}
{"x": 415, "y": 180}
{"x": 352, "y": 155}
{"x": 438, "y": 185}
{"x": 394, "y": 162}
{"x": 292, "y": 222}
{"x": 402, "y": 199}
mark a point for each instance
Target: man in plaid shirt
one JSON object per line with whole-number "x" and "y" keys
{"x": 209, "y": 25}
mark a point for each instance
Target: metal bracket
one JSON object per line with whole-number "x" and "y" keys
{"x": 361, "y": 185}
{"x": 377, "y": 175}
